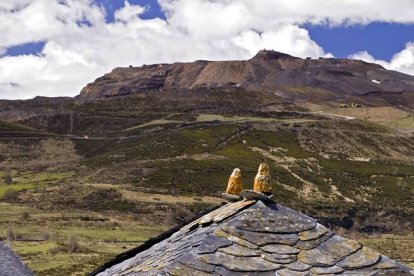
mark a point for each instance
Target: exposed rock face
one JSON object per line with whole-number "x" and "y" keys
{"x": 262, "y": 180}
{"x": 283, "y": 75}
{"x": 253, "y": 238}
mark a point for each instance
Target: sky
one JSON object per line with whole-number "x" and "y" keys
{"x": 55, "y": 47}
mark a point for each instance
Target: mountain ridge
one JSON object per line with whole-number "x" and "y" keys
{"x": 287, "y": 77}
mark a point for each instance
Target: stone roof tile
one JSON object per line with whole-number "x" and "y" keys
{"x": 11, "y": 264}
{"x": 253, "y": 238}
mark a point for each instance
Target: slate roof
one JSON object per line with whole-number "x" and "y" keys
{"x": 252, "y": 237}
{"x": 11, "y": 264}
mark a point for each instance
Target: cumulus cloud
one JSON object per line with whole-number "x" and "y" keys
{"x": 80, "y": 45}
{"x": 402, "y": 61}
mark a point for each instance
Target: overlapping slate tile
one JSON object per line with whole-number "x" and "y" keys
{"x": 280, "y": 249}
{"x": 288, "y": 272}
{"x": 211, "y": 244}
{"x": 146, "y": 273}
{"x": 362, "y": 258}
{"x": 253, "y": 195}
{"x": 176, "y": 246}
{"x": 275, "y": 258}
{"x": 194, "y": 239}
{"x": 298, "y": 266}
{"x": 233, "y": 263}
{"x": 280, "y": 256}
{"x": 365, "y": 272}
{"x": 218, "y": 215}
{"x": 314, "y": 233}
{"x": 193, "y": 262}
{"x": 240, "y": 251}
{"x": 262, "y": 218}
{"x": 329, "y": 252}
{"x": 220, "y": 233}
{"x": 225, "y": 212}
{"x": 225, "y": 272}
{"x": 385, "y": 263}
{"x": 261, "y": 238}
{"x": 310, "y": 244}
{"x": 179, "y": 269}
{"x": 326, "y": 270}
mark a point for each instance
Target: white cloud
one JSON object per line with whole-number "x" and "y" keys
{"x": 288, "y": 39}
{"x": 77, "y": 52}
{"x": 402, "y": 61}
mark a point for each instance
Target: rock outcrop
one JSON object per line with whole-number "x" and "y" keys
{"x": 283, "y": 75}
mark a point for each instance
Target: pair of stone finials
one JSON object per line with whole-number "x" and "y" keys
{"x": 261, "y": 185}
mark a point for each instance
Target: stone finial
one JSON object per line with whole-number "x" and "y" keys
{"x": 235, "y": 184}
{"x": 234, "y": 187}
{"x": 262, "y": 180}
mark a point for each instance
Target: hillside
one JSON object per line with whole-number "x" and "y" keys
{"x": 96, "y": 175}
{"x": 322, "y": 81}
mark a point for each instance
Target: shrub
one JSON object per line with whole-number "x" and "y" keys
{"x": 8, "y": 179}
{"x": 25, "y": 216}
{"x": 45, "y": 236}
{"x": 10, "y": 234}
{"x": 10, "y": 195}
{"x": 73, "y": 245}
{"x": 178, "y": 214}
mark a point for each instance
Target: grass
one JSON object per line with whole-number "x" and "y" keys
{"x": 398, "y": 247}
{"x": 6, "y": 127}
{"x": 403, "y": 123}
{"x": 98, "y": 199}
{"x": 99, "y": 240}
{"x": 27, "y": 180}
{"x": 61, "y": 262}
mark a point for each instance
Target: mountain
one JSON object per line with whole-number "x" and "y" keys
{"x": 290, "y": 78}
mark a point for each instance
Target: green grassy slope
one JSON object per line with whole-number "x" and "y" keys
{"x": 128, "y": 168}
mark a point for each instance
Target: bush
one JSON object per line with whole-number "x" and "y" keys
{"x": 45, "y": 236}
{"x": 10, "y": 195}
{"x": 10, "y": 234}
{"x": 25, "y": 216}
{"x": 8, "y": 179}
{"x": 73, "y": 245}
{"x": 111, "y": 199}
{"x": 178, "y": 214}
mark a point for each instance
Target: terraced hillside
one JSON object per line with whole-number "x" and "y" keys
{"x": 133, "y": 167}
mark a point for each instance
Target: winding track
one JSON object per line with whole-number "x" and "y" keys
{"x": 185, "y": 125}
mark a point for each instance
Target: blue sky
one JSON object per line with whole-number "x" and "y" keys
{"x": 381, "y": 40}
{"x": 154, "y": 9}
{"x": 56, "y": 47}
